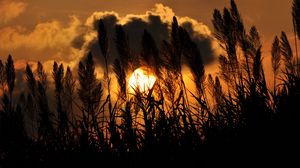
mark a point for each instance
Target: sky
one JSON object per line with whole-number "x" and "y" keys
{"x": 62, "y": 30}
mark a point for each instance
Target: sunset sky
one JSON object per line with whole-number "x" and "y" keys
{"x": 48, "y": 30}
{"x": 151, "y": 83}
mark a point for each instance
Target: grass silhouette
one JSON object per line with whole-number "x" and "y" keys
{"x": 161, "y": 125}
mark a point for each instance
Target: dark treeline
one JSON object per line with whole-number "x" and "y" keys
{"x": 87, "y": 126}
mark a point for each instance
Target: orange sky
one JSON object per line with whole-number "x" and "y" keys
{"x": 270, "y": 16}
{"x": 43, "y": 29}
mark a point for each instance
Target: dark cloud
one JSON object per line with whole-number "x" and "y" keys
{"x": 157, "y": 22}
{"x": 78, "y": 41}
{"x": 69, "y": 43}
{"x": 154, "y": 26}
{"x": 203, "y": 42}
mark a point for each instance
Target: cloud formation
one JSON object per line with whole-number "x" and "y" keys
{"x": 10, "y": 9}
{"x": 157, "y": 21}
{"x": 45, "y": 35}
{"x": 69, "y": 42}
{"x": 47, "y": 41}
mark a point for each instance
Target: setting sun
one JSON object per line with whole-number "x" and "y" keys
{"x": 141, "y": 80}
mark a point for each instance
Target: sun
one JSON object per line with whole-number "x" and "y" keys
{"x": 141, "y": 80}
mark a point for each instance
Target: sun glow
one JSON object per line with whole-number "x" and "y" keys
{"x": 141, "y": 80}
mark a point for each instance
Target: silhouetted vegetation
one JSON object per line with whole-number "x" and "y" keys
{"x": 235, "y": 110}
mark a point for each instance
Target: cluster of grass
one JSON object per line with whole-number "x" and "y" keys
{"x": 88, "y": 127}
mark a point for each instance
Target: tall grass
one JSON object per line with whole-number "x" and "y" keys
{"x": 169, "y": 122}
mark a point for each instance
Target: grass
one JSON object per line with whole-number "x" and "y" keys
{"x": 165, "y": 124}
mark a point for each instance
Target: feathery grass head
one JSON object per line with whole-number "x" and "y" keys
{"x": 296, "y": 16}
{"x": 123, "y": 48}
{"x": 276, "y": 55}
{"x": 121, "y": 77}
{"x": 31, "y": 81}
{"x": 176, "y": 46}
{"x": 41, "y": 75}
{"x": 58, "y": 74}
{"x": 103, "y": 38}
{"x": 2, "y": 74}
{"x": 69, "y": 83}
{"x": 194, "y": 59}
{"x": 10, "y": 73}
{"x": 150, "y": 53}
{"x": 257, "y": 65}
{"x": 286, "y": 52}
{"x": 255, "y": 38}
